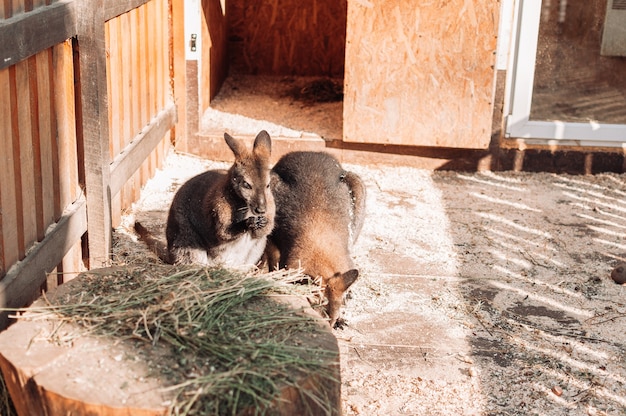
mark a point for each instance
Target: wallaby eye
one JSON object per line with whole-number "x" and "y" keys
{"x": 268, "y": 186}
{"x": 246, "y": 185}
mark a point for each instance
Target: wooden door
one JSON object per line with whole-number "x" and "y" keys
{"x": 420, "y": 73}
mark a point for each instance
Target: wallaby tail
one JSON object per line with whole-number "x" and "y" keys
{"x": 358, "y": 194}
{"x": 154, "y": 244}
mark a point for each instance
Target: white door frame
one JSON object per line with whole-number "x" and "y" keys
{"x": 520, "y": 80}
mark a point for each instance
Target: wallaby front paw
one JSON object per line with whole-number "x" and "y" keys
{"x": 255, "y": 223}
{"x": 261, "y": 221}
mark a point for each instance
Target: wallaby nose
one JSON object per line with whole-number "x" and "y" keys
{"x": 259, "y": 205}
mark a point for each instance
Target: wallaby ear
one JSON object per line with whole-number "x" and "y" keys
{"x": 238, "y": 148}
{"x": 262, "y": 145}
{"x": 349, "y": 277}
{"x": 340, "y": 282}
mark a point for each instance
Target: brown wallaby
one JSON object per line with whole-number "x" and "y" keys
{"x": 320, "y": 209}
{"x": 224, "y": 217}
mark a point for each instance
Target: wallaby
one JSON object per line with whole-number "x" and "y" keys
{"x": 320, "y": 209}
{"x": 223, "y": 217}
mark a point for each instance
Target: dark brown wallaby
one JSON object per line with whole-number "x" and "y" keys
{"x": 320, "y": 209}
{"x": 224, "y": 217}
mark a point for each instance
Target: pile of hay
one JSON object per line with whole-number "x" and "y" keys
{"x": 225, "y": 341}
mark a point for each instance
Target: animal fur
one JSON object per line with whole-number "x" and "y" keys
{"x": 320, "y": 213}
{"x": 224, "y": 217}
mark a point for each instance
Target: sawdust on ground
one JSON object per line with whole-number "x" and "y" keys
{"x": 480, "y": 293}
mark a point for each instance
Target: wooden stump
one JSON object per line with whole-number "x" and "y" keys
{"x": 50, "y": 370}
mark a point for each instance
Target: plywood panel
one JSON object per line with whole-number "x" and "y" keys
{"x": 420, "y": 73}
{"x": 287, "y": 37}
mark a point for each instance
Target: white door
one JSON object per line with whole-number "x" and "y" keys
{"x": 565, "y": 86}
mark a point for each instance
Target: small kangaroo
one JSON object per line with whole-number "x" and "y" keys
{"x": 224, "y": 217}
{"x": 319, "y": 215}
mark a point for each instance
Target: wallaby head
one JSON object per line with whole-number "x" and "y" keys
{"x": 334, "y": 289}
{"x": 250, "y": 174}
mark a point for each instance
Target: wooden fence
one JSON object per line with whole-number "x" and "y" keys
{"x": 86, "y": 115}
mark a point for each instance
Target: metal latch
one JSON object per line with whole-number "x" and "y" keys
{"x": 192, "y": 42}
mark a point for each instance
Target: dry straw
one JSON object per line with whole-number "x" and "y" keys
{"x": 228, "y": 343}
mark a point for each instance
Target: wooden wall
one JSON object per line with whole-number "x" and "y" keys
{"x": 420, "y": 73}
{"x": 86, "y": 110}
{"x": 288, "y": 37}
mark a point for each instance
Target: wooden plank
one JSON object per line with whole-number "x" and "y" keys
{"x": 119, "y": 98}
{"x": 123, "y": 80}
{"x": 127, "y": 84}
{"x": 110, "y": 35}
{"x": 64, "y": 107}
{"x": 131, "y": 158}
{"x": 420, "y": 73}
{"x": 145, "y": 65}
{"x": 54, "y": 139}
{"x": 9, "y": 253}
{"x": 162, "y": 84}
{"x": 37, "y": 190}
{"x": 21, "y": 284}
{"x": 16, "y": 161}
{"x": 117, "y": 8}
{"x": 178, "y": 71}
{"x": 25, "y": 34}
{"x": 23, "y": 143}
{"x": 94, "y": 126}
{"x": 152, "y": 33}
{"x": 47, "y": 137}
{"x": 133, "y": 45}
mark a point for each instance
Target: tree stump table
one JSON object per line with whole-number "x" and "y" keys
{"x": 51, "y": 367}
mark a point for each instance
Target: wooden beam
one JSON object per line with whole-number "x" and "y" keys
{"x": 93, "y": 129}
{"x": 138, "y": 150}
{"x": 25, "y": 34}
{"x": 21, "y": 284}
{"x": 112, "y": 9}
{"x": 178, "y": 71}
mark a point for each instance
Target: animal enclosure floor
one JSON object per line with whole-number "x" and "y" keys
{"x": 284, "y": 106}
{"x": 479, "y": 294}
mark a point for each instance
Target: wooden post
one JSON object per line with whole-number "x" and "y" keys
{"x": 94, "y": 129}
{"x": 178, "y": 70}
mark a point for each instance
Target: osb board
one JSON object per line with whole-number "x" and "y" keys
{"x": 420, "y": 73}
{"x": 288, "y": 37}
